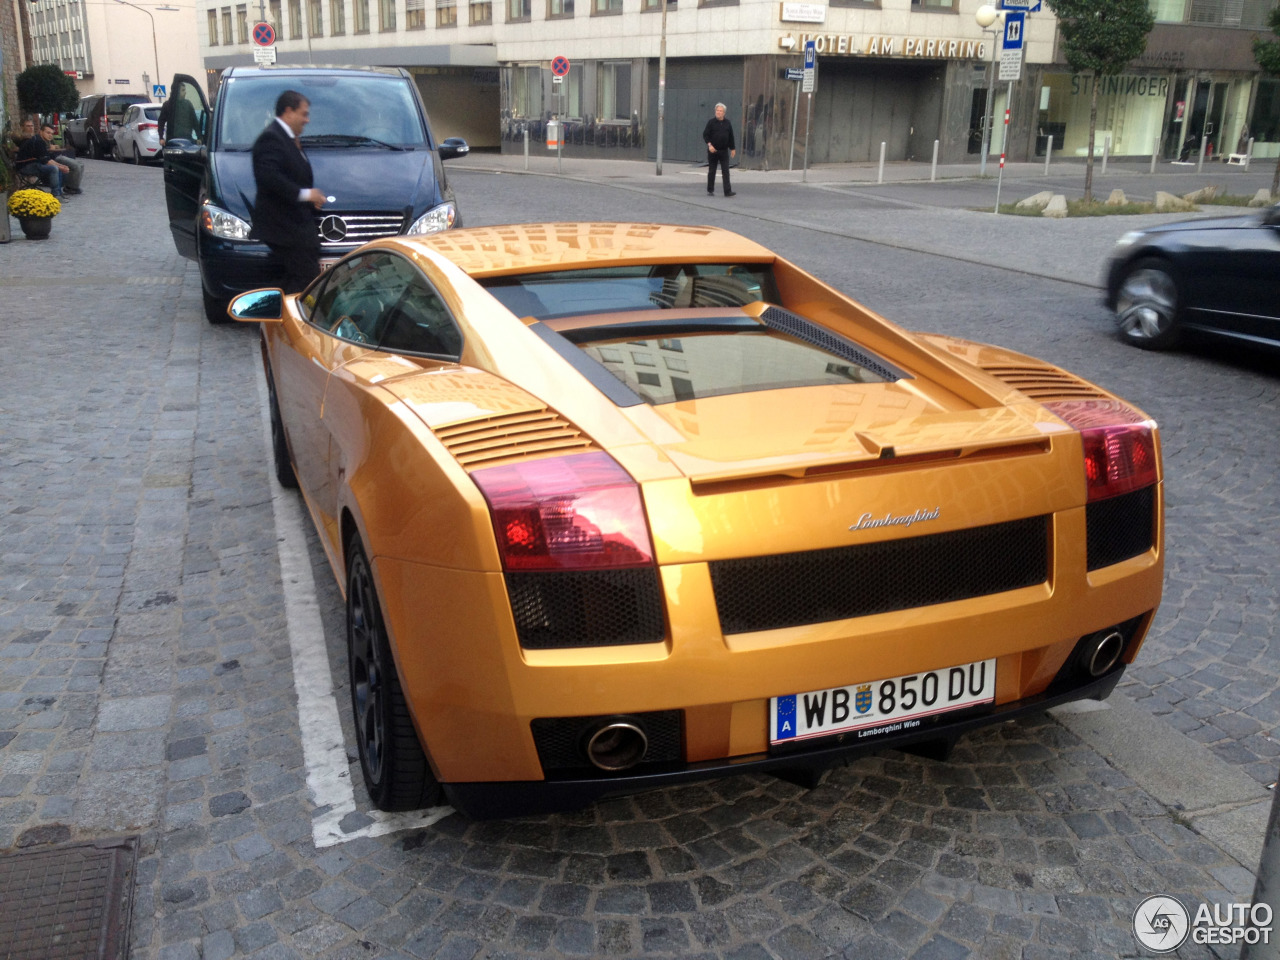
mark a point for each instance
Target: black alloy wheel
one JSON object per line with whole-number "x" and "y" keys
{"x": 279, "y": 446}
{"x": 95, "y": 149}
{"x": 1149, "y": 306}
{"x": 395, "y": 768}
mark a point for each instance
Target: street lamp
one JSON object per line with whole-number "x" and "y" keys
{"x": 986, "y": 16}
{"x": 662, "y": 85}
{"x": 154, "y": 48}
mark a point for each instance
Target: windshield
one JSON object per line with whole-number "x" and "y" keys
{"x": 347, "y": 109}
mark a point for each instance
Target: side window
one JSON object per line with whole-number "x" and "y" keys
{"x": 421, "y": 323}
{"x": 188, "y": 121}
{"x": 358, "y": 297}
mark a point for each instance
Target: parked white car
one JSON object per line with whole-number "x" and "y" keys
{"x": 138, "y": 136}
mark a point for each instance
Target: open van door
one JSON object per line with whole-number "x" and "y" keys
{"x": 185, "y": 160}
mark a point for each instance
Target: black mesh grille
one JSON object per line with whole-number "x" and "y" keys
{"x": 561, "y": 741}
{"x": 1120, "y": 527}
{"x": 766, "y": 593}
{"x": 590, "y": 608}
{"x": 808, "y": 331}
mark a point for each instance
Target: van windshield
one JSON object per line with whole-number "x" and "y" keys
{"x": 346, "y": 108}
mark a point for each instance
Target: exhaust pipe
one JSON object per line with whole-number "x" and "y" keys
{"x": 616, "y": 745}
{"x": 1103, "y": 652}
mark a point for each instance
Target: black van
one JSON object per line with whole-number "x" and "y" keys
{"x": 369, "y": 143}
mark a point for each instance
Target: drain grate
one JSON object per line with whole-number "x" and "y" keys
{"x": 69, "y": 902}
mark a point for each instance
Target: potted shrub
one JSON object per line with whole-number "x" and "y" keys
{"x": 35, "y": 210}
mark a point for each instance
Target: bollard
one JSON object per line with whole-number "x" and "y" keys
{"x": 1204, "y": 145}
{"x": 1267, "y": 884}
{"x": 1048, "y": 155}
{"x": 1248, "y": 154}
{"x": 1155, "y": 154}
{"x": 1106, "y": 149}
{"x": 933, "y": 170}
{"x": 526, "y": 147}
{"x": 880, "y": 177}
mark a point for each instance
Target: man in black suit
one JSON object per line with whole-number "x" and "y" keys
{"x": 284, "y": 210}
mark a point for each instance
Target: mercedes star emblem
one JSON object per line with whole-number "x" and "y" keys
{"x": 333, "y": 229}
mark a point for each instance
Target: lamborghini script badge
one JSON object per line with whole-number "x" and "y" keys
{"x": 869, "y": 521}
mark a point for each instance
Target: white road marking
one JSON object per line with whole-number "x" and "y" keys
{"x": 323, "y": 748}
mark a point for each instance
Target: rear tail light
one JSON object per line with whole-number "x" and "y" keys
{"x": 580, "y": 512}
{"x": 148, "y": 126}
{"x": 102, "y": 124}
{"x": 1119, "y": 445}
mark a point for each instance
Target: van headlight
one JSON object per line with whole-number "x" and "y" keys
{"x": 223, "y": 224}
{"x": 436, "y": 219}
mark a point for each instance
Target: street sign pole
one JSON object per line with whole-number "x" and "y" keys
{"x": 807, "y": 86}
{"x": 662, "y": 84}
{"x": 1010, "y": 70}
{"x": 795, "y": 111}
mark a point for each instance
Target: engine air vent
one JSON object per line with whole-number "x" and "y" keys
{"x": 1042, "y": 382}
{"x": 511, "y": 437}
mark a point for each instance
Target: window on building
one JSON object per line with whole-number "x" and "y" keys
{"x": 386, "y": 15}
{"x": 572, "y": 90}
{"x": 360, "y": 16}
{"x": 559, "y": 9}
{"x": 295, "y": 19}
{"x": 337, "y": 18}
{"x": 519, "y": 10}
{"x": 275, "y": 18}
{"x": 226, "y": 25}
{"x": 526, "y": 91}
{"x": 614, "y": 87}
{"x": 934, "y": 4}
{"x": 242, "y": 23}
{"x": 1251, "y": 14}
{"x": 607, "y": 6}
{"x": 481, "y": 11}
{"x": 1169, "y": 11}
{"x": 446, "y": 13}
{"x": 315, "y": 18}
{"x": 213, "y": 28}
{"x": 415, "y": 14}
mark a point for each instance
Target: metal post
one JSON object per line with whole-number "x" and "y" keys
{"x": 1248, "y": 154}
{"x": 795, "y": 112}
{"x": 662, "y": 84}
{"x": 808, "y": 117}
{"x": 1200, "y": 163}
{"x": 933, "y": 169}
{"x": 1048, "y": 155}
{"x": 1155, "y": 154}
{"x": 986, "y": 112}
{"x": 1004, "y": 143}
{"x": 526, "y": 145}
{"x": 1267, "y": 888}
{"x": 1106, "y": 150}
{"x": 880, "y": 175}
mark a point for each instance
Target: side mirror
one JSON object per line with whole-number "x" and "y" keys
{"x": 453, "y": 147}
{"x": 258, "y": 306}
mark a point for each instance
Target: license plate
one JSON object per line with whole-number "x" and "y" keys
{"x": 881, "y": 707}
{"x": 327, "y": 262}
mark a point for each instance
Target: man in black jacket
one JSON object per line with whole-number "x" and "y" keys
{"x": 36, "y": 159}
{"x": 718, "y": 134}
{"x": 284, "y": 209}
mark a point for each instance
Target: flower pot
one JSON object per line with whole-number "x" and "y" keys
{"x": 36, "y": 228}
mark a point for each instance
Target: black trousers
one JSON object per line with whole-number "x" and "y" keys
{"x": 718, "y": 159}
{"x": 295, "y": 266}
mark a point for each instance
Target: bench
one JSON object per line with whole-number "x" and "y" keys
{"x": 1239, "y": 159}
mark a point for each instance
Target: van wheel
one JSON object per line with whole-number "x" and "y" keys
{"x": 95, "y": 149}
{"x": 395, "y": 769}
{"x": 215, "y": 308}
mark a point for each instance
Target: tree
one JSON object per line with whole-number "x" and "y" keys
{"x": 1102, "y": 37}
{"x": 1267, "y": 53}
{"x": 44, "y": 88}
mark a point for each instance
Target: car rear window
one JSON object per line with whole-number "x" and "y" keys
{"x": 346, "y": 108}
{"x": 153, "y": 113}
{"x": 568, "y": 293}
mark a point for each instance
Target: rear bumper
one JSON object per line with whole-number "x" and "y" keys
{"x": 487, "y": 801}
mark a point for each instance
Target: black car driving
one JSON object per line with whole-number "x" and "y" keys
{"x": 1218, "y": 277}
{"x": 370, "y": 145}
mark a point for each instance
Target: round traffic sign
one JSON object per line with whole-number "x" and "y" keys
{"x": 560, "y": 66}
{"x": 264, "y": 34}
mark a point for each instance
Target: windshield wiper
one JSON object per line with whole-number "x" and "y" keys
{"x": 347, "y": 140}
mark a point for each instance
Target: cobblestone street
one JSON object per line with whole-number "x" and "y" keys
{"x": 149, "y": 684}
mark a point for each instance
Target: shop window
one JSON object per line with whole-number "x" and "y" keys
{"x": 446, "y": 13}
{"x": 213, "y": 28}
{"x": 386, "y": 15}
{"x": 526, "y": 92}
{"x": 1266, "y": 117}
{"x": 519, "y": 10}
{"x": 242, "y": 23}
{"x": 360, "y": 16}
{"x": 606, "y": 7}
{"x": 559, "y": 9}
{"x": 337, "y": 18}
{"x": 481, "y": 11}
{"x": 614, "y": 86}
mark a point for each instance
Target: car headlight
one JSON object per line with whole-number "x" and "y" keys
{"x": 436, "y": 219}
{"x": 224, "y": 225}
{"x": 1129, "y": 239}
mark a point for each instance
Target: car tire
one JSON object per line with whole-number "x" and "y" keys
{"x": 94, "y": 149}
{"x": 279, "y": 445}
{"x": 395, "y": 768}
{"x": 1149, "y": 305}
{"x": 137, "y": 157}
{"x": 215, "y": 308}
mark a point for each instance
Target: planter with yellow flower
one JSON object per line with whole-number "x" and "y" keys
{"x": 35, "y": 210}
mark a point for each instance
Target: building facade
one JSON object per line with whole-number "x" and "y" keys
{"x": 903, "y": 73}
